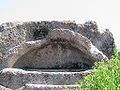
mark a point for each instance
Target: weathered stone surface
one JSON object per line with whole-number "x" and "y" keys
{"x": 76, "y": 40}
{"x": 4, "y": 88}
{"x": 13, "y": 33}
{"x": 50, "y": 87}
{"x": 49, "y": 45}
{"x": 17, "y": 78}
{"x": 61, "y": 49}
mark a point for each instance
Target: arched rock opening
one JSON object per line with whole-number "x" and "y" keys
{"x": 63, "y": 49}
{"x": 54, "y": 56}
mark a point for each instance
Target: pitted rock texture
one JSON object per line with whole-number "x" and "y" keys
{"x": 50, "y": 45}
{"x": 14, "y": 33}
{"x": 17, "y": 78}
{"x": 62, "y": 48}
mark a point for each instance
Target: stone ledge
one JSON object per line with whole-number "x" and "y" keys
{"x": 16, "y": 78}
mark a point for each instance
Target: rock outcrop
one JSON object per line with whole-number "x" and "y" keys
{"x": 39, "y": 47}
{"x": 12, "y": 34}
{"x": 61, "y": 49}
{"x": 15, "y": 34}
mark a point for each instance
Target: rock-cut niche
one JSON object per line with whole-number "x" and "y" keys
{"x": 54, "y": 56}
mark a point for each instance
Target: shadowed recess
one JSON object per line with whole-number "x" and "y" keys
{"x": 54, "y": 56}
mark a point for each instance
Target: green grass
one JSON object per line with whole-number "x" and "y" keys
{"x": 105, "y": 77}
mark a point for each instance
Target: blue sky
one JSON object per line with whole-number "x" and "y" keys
{"x": 105, "y": 12}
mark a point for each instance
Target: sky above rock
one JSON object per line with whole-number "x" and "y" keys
{"x": 105, "y": 12}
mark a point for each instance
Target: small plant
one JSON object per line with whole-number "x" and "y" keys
{"x": 105, "y": 77}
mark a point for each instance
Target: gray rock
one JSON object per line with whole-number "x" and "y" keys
{"x": 4, "y": 88}
{"x": 18, "y": 78}
{"x": 61, "y": 49}
{"x": 15, "y": 33}
{"x": 50, "y": 87}
{"x": 50, "y": 45}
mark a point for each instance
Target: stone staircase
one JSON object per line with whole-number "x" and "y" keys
{"x": 44, "y": 79}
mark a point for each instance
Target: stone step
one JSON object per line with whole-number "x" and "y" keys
{"x": 49, "y": 87}
{"x": 16, "y": 78}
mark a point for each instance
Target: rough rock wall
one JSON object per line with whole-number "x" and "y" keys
{"x": 62, "y": 48}
{"x": 13, "y": 34}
